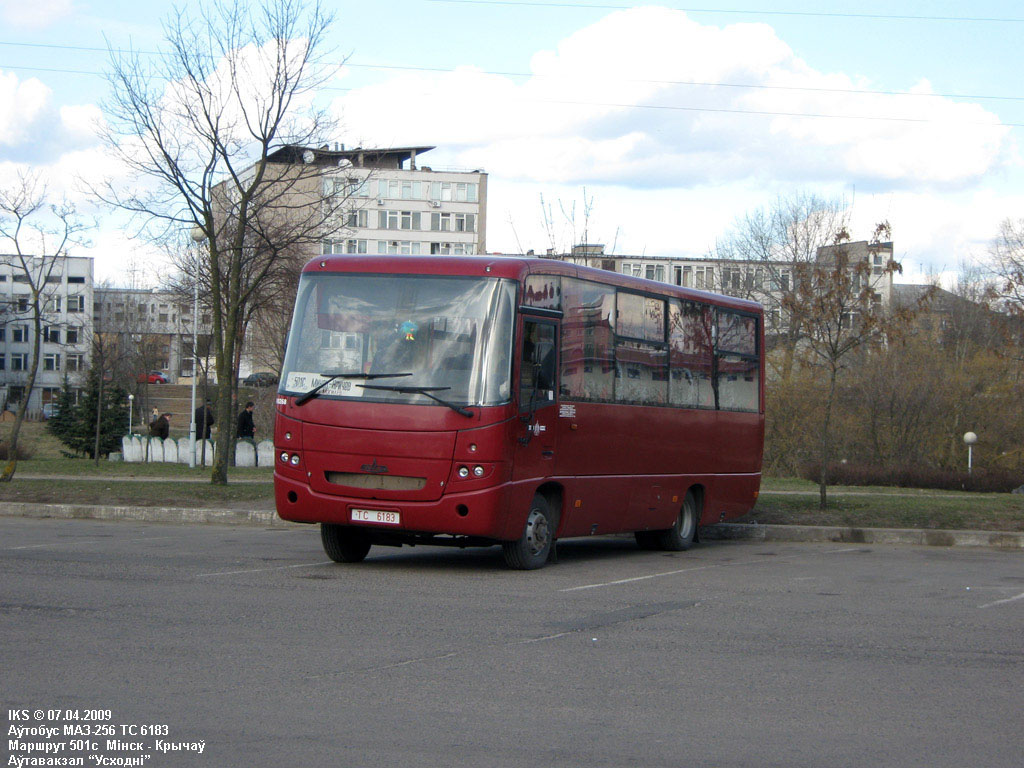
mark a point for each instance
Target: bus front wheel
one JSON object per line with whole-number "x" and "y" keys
{"x": 532, "y": 549}
{"x": 680, "y": 536}
{"x": 344, "y": 544}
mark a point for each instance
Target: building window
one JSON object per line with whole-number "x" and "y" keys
{"x": 19, "y": 361}
{"x": 410, "y": 220}
{"x": 398, "y": 247}
{"x": 51, "y": 362}
{"x": 389, "y": 219}
{"x": 78, "y": 279}
{"x": 76, "y": 363}
{"x": 53, "y": 304}
{"x": 356, "y": 219}
{"x": 441, "y": 222}
{"x": 412, "y": 190}
{"x": 465, "y": 222}
{"x": 355, "y": 246}
{"x": 51, "y": 334}
{"x": 21, "y": 304}
{"x": 3, "y": 362}
{"x": 3, "y": 333}
{"x": 460, "y": 192}
{"x": 19, "y": 334}
{"x": 76, "y": 303}
{"x": 350, "y": 187}
{"x": 655, "y": 272}
{"x": 732, "y": 278}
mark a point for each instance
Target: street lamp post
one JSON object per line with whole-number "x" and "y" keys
{"x": 970, "y": 439}
{"x": 198, "y": 236}
{"x": 131, "y": 400}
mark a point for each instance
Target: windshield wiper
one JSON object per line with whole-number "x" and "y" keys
{"x": 425, "y": 391}
{"x": 332, "y": 376}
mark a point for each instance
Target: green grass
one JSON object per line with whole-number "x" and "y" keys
{"x": 783, "y": 501}
{"x": 85, "y": 468}
{"x": 140, "y": 493}
{"x": 795, "y": 502}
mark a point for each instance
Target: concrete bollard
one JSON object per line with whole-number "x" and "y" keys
{"x": 265, "y": 453}
{"x": 245, "y": 453}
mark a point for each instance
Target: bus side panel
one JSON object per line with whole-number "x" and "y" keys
{"x": 622, "y": 440}
{"x": 739, "y": 442}
{"x": 617, "y": 504}
{"x": 732, "y": 496}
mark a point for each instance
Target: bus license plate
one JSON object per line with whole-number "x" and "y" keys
{"x": 375, "y": 516}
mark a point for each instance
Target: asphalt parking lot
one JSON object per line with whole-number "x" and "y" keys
{"x": 732, "y": 654}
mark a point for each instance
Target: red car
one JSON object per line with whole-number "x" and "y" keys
{"x": 154, "y": 377}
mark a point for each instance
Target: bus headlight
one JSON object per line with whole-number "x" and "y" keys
{"x": 478, "y": 471}
{"x": 463, "y": 472}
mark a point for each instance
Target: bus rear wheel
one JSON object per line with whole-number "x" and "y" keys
{"x": 532, "y": 549}
{"x": 343, "y": 543}
{"x": 680, "y": 536}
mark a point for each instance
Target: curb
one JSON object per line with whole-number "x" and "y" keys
{"x": 717, "y": 532}
{"x": 181, "y": 515}
{"x": 843, "y": 535}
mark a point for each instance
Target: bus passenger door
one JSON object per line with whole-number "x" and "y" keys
{"x": 538, "y": 385}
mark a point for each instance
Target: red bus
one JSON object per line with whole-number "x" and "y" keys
{"x": 487, "y": 400}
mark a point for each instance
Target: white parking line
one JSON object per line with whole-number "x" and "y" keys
{"x": 260, "y": 570}
{"x": 1001, "y": 602}
{"x": 657, "y": 575}
{"x": 81, "y": 541}
{"x": 695, "y": 568}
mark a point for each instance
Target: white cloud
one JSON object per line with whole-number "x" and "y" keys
{"x": 33, "y": 129}
{"x": 640, "y": 99}
{"x": 34, "y": 15}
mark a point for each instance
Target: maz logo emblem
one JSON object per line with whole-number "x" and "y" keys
{"x": 375, "y": 468}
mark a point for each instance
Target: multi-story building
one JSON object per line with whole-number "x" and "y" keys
{"x": 67, "y": 294}
{"x": 362, "y": 201}
{"x": 391, "y": 205}
{"x": 765, "y": 282}
{"x": 153, "y": 328}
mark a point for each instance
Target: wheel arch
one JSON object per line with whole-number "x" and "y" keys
{"x": 699, "y": 491}
{"x": 554, "y": 495}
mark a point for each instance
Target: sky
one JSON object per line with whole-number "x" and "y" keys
{"x": 648, "y": 128}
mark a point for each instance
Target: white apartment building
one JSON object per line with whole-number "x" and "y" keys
{"x": 66, "y": 329}
{"x": 395, "y": 206}
{"x": 156, "y": 327}
{"x": 765, "y": 282}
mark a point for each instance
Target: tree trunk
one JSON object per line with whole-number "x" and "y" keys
{"x": 825, "y": 451}
{"x": 99, "y": 420}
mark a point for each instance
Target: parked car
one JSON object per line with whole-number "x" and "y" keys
{"x": 154, "y": 377}
{"x": 260, "y": 379}
{"x": 51, "y": 410}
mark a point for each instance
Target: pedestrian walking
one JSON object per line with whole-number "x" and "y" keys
{"x": 204, "y": 421}
{"x": 246, "y": 426}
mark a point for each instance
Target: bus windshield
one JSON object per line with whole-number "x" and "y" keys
{"x": 448, "y": 336}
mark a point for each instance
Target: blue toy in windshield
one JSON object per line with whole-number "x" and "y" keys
{"x": 409, "y": 328}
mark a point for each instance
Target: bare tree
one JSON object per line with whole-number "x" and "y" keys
{"x": 199, "y": 125}
{"x": 30, "y": 223}
{"x": 837, "y": 311}
{"x": 1008, "y": 252}
{"x": 781, "y": 241}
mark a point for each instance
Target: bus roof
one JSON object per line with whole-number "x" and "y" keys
{"x": 515, "y": 268}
